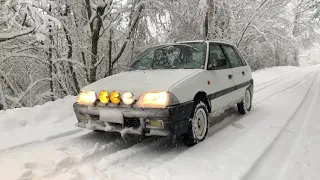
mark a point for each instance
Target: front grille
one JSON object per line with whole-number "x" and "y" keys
{"x": 132, "y": 122}
{"x": 128, "y": 122}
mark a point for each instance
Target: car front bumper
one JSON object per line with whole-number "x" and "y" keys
{"x": 172, "y": 120}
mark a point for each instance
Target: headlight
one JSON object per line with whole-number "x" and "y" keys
{"x": 127, "y": 98}
{"x": 157, "y": 100}
{"x": 104, "y": 97}
{"x": 87, "y": 98}
{"x": 115, "y": 97}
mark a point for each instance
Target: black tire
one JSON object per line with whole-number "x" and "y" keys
{"x": 99, "y": 131}
{"x": 191, "y": 138}
{"x": 243, "y": 108}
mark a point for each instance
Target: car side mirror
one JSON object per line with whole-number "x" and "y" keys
{"x": 217, "y": 64}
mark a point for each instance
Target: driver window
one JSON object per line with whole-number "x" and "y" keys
{"x": 217, "y": 59}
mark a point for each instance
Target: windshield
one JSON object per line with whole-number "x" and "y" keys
{"x": 178, "y": 56}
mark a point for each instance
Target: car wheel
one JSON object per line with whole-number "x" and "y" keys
{"x": 198, "y": 125}
{"x": 245, "y": 105}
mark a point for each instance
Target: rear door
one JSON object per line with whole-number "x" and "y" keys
{"x": 239, "y": 71}
{"x": 246, "y": 68}
{"x": 220, "y": 78}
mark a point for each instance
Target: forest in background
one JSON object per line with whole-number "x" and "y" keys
{"x": 51, "y": 48}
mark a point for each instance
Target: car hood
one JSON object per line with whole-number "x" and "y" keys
{"x": 138, "y": 82}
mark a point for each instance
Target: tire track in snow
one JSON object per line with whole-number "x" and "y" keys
{"x": 272, "y": 82}
{"x": 278, "y": 155}
{"x": 68, "y": 152}
{"x": 100, "y": 158}
{"x": 47, "y": 139}
{"x": 260, "y": 99}
{"x": 149, "y": 158}
{"x": 123, "y": 155}
{"x": 247, "y": 175}
{"x": 72, "y": 163}
{"x": 276, "y": 79}
{"x": 312, "y": 110}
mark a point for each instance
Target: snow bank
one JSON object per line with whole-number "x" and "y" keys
{"x": 50, "y": 113}
{"x": 42, "y": 122}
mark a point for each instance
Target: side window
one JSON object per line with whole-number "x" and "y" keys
{"x": 234, "y": 59}
{"x": 217, "y": 59}
{"x": 244, "y": 63}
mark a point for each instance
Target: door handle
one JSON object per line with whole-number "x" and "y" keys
{"x": 243, "y": 73}
{"x": 230, "y": 76}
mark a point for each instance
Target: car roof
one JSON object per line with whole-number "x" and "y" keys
{"x": 206, "y": 41}
{"x": 181, "y": 42}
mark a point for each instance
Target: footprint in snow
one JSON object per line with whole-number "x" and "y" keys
{"x": 45, "y": 167}
{"x": 62, "y": 149}
{"x": 28, "y": 175}
{"x": 237, "y": 125}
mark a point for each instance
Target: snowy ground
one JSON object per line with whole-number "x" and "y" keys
{"x": 278, "y": 139}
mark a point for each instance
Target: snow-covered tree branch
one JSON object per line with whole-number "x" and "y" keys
{"x": 5, "y": 36}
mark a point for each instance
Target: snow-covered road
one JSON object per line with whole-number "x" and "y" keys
{"x": 278, "y": 139}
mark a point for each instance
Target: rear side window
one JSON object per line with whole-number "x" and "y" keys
{"x": 244, "y": 63}
{"x": 234, "y": 58}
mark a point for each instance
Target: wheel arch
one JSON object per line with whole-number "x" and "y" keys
{"x": 251, "y": 87}
{"x": 202, "y": 96}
